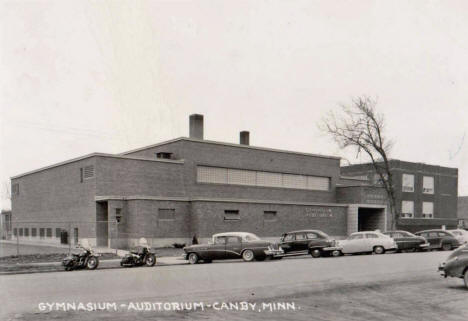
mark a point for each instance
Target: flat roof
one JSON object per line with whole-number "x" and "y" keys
{"x": 204, "y": 141}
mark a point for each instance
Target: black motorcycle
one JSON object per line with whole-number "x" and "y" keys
{"x": 85, "y": 259}
{"x": 139, "y": 256}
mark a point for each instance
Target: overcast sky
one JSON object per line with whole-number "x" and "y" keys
{"x": 106, "y": 76}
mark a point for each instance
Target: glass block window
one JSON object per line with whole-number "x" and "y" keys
{"x": 318, "y": 183}
{"x": 218, "y": 175}
{"x": 26, "y": 231}
{"x": 407, "y": 209}
{"x": 214, "y": 175}
{"x": 428, "y": 210}
{"x": 408, "y": 183}
{"x": 166, "y": 213}
{"x": 241, "y": 177}
{"x": 428, "y": 185}
{"x": 295, "y": 181}
{"x": 33, "y": 232}
{"x": 269, "y": 179}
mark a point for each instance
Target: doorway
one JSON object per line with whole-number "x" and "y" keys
{"x": 102, "y": 226}
{"x": 371, "y": 219}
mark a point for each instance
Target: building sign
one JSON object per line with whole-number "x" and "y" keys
{"x": 319, "y": 212}
{"x": 375, "y": 198}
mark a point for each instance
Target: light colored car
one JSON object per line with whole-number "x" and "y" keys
{"x": 367, "y": 242}
{"x": 460, "y": 235}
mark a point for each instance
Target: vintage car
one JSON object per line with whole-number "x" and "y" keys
{"x": 233, "y": 245}
{"x": 367, "y": 242}
{"x": 439, "y": 239}
{"x": 460, "y": 235}
{"x": 408, "y": 242}
{"x": 456, "y": 264}
{"x": 313, "y": 242}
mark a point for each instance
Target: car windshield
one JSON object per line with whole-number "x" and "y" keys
{"x": 251, "y": 237}
{"x": 458, "y": 233}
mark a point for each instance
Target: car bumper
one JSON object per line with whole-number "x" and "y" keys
{"x": 441, "y": 269}
{"x": 332, "y": 248}
{"x": 274, "y": 252}
{"x": 424, "y": 246}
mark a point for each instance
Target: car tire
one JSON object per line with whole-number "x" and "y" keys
{"x": 336, "y": 253}
{"x": 193, "y": 258}
{"x": 379, "y": 250}
{"x": 446, "y": 247}
{"x": 248, "y": 256}
{"x": 465, "y": 278}
{"x": 316, "y": 253}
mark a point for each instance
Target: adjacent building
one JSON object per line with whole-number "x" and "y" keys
{"x": 426, "y": 195}
{"x": 170, "y": 191}
{"x": 462, "y": 211}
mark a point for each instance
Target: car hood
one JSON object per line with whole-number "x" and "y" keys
{"x": 458, "y": 251}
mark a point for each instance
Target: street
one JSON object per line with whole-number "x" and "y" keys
{"x": 363, "y": 287}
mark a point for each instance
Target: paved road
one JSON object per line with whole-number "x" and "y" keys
{"x": 233, "y": 281}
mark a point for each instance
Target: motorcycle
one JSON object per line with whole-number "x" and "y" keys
{"x": 141, "y": 255}
{"x": 85, "y": 259}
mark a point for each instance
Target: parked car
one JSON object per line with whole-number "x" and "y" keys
{"x": 456, "y": 264}
{"x": 233, "y": 245}
{"x": 367, "y": 242}
{"x": 439, "y": 239}
{"x": 408, "y": 242}
{"x": 460, "y": 235}
{"x": 313, "y": 242}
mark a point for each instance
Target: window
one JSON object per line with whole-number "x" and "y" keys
{"x": 220, "y": 240}
{"x": 15, "y": 189}
{"x": 26, "y": 231}
{"x": 289, "y": 238}
{"x": 118, "y": 215}
{"x": 233, "y": 240}
{"x": 433, "y": 234}
{"x": 407, "y": 209}
{"x": 33, "y": 232}
{"x": 428, "y": 185}
{"x": 312, "y": 236}
{"x": 231, "y": 215}
{"x": 15, "y": 231}
{"x": 356, "y": 236}
{"x": 164, "y": 155}
{"x": 300, "y": 237}
{"x": 428, "y": 210}
{"x": 408, "y": 183}
{"x": 58, "y": 232}
{"x": 49, "y": 232}
{"x": 20, "y": 231}
{"x": 269, "y": 215}
{"x": 217, "y": 175}
{"x": 41, "y": 232}
{"x": 166, "y": 214}
{"x": 371, "y": 236}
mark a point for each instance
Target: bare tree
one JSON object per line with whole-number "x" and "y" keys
{"x": 362, "y": 128}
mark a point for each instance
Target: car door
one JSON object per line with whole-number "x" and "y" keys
{"x": 301, "y": 243}
{"x": 288, "y": 242}
{"x": 400, "y": 239}
{"x": 354, "y": 244}
{"x": 433, "y": 239}
{"x": 217, "y": 250}
{"x": 371, "y": 241}
{"x": 233, "y": 247}
{"x": 315, "y": 240}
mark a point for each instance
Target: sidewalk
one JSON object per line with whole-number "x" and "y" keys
{"x": 57, "y": 266}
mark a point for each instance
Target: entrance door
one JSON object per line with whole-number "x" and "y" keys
{"x": 102, "y": 224}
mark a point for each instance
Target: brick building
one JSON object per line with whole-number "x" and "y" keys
{"x": 426, "y": 195}
{"x": 462, "y": 211}
{"x": 171, "y": 191}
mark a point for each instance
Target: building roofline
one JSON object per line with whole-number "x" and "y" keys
{"x": 96, "y": 155}
{"x": 227, "y": 144}
{"x": 399, "y": 160}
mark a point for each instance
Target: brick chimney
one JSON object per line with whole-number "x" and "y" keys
{"x": 244, "y": 137}
{"x": 196, "y": 126}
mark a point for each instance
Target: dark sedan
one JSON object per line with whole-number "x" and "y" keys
{"x": 408, "y": 242}
{"x": 232, "y": 245}
{"x": 440, "y": 239}
{"x": 456, "y": 265}
{"x": 313, "y": 242}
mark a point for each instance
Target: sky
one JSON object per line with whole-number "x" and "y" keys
{"x": 78, "y": 77}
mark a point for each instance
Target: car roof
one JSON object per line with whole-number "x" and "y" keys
{"x": 433, "y": 230}
{"x": 241, "y": 234}
{"x": 306, "y": 231}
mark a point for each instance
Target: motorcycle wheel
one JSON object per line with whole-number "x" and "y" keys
{"x": 151, "y": 260}
{"x": 93, "y": 263}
